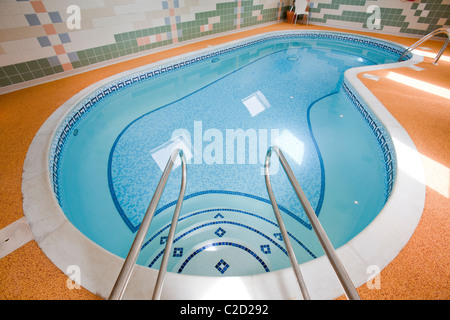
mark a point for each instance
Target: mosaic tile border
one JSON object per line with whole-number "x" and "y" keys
{"x": 108, "y": 90}
{"x": 379, "y": 132}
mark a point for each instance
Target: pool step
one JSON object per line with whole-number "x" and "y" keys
{"x": 221, "y": 242}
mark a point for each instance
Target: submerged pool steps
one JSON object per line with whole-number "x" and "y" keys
{"x": 229, "y": 246}
{"x": 202, "y": 236}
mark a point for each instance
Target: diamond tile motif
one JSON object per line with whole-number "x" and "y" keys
{"x": 177, "y": 252}
{"x": 219, "y": 215}
{"x": 222, "y": 266}
{"x": 265, "y": 248}
{"x": 163, "y": 240}
{"x": 220, "y": 232}
{"x": 278, "y": 236}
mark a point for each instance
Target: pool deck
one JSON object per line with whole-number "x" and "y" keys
{"x": 420, "y": 271}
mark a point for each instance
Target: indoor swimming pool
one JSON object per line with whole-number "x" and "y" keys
{"x": 224, "y": 107}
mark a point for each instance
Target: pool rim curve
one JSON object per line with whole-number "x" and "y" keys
{"x": 65, "y": 245}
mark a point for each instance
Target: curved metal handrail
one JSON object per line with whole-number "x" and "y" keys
{"x": 128, "y": 266}
{"x": 339, "y": 269}
{"x": 445, "y": 30}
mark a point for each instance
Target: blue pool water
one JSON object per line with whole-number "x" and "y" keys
{"x": 228, "y": 110}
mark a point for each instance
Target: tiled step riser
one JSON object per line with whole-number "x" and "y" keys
{"x": 222, "y": 234}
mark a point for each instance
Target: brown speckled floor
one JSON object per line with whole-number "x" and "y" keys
{"x": 420, "y": 271}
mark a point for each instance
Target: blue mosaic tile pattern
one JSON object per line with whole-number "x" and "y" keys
{"x": 178, "y": 252}
{"x": 223, "y": 223}
{"x": 220, "y": 232}
{"x": 222, "y": 266}
{"x": 265, "y": 248}
{"x": 209, "y": 253}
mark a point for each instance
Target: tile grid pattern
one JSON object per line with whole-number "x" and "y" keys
{"x": 399, "y": 17}
{"x": 36, "y": 42}
{"x": 111, "y": 31}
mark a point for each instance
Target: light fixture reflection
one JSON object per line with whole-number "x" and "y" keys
{"x": 289, "y": 144}
{"x": 162, "y": 153}
{"x": 256, "y": 103}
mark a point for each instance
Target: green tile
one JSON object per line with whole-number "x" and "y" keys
{"x": 76, "y": 64}
{"x": 16, "y": 79}
{"x": 90, "y": 53}
{"x": 43, "y": 63}
{"x": 106, "y": 49}
{"x": 22, "y": 67}
{"x": 5, "y": 82}
{"x": 10, "y": 70}
{"x": 48, "y": 71}
{"x": 98, "y": 51}
{"x": 113, "y": 47}
{"x": 38, "y": 74}
{"x": 58, "y": 69}
{"x": 33, "y": 65}
{"x": 82, "y": 54}
{"x": 27, "y": 76}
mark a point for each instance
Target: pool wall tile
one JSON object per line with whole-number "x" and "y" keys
{"x": 109, "y": 30}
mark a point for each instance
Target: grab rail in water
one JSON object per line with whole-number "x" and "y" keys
{"x": 127, "y": 268}
{"x": 342, "y": 275}
{"x": 445, "y": 30}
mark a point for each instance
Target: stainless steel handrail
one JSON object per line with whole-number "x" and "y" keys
{"x": 130, "y": 262}
{"x": 445, "y": 30}
{"x": 336, "y": 263}
{"x": 287, "y": 242}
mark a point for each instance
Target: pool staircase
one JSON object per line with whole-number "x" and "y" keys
{"x": 444, "y": 30}
{"x": 217, "y": 220}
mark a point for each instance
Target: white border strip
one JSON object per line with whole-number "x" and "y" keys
{"x": 378, "y": 244}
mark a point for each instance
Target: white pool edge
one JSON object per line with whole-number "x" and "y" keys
{"x": 65, "y": 245}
